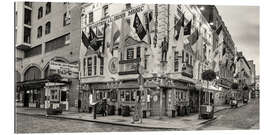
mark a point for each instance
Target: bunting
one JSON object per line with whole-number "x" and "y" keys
{"x": 85, "y": 40}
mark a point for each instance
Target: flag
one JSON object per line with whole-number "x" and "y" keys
{"x": 85, "y": 40}
{"x": 193, "y": 37}
{"x": 187, "y": 28}
{"x": 139, "y": 27}
{"x": 147, "y": 24}
{"x": 178, "y": 26}
{"x": 95, "y": 42}
{"x": 99, "y": 33}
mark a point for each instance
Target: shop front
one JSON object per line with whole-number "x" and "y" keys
{"x": 31, "y": 93}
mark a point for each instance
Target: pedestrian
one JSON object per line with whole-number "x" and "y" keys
{"x": 137, "y": 116}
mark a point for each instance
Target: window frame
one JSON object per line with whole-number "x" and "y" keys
{"x": 48, "y": 28}
{"x": 39, "y": 32}
{"x": 48, "y": 8}
{"x": 40, "y": 12}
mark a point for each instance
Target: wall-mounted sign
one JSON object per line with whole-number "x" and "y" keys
{"x": 128, "y": 66}
{"x": 64, "y": 69}
{"x": 113, "y": 65}
{"x": 187, "y": 70}
{"x": 155, "y": 98}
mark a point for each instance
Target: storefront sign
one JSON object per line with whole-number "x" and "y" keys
{"x": 128, "y": 66}
{"x": 121, "y": 15}
{"x": 64, "y": 69}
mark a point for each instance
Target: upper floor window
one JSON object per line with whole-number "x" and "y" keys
{"x": 128, "y": 5}
{"x": 39, "y": 32}
{"x": 105, "y": 11}
{"x": 138, "y": 52}
{"x": 176, "y": 61}
{"x": 130, "y": 53}
{"x": 48, "y": 7}
{"x": 101, "y": 65}
{"x": 48, "y": 28}
{"x": 40, "y": 12}
{"x": 67, "y": 18}
{"x": 89, "y": 66}
{"x": 95, "y": 65}
{"x": 29, "y": 4}
{"x": 91, "y": 17}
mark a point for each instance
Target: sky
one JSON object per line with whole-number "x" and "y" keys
{"x": 243, "y": 25}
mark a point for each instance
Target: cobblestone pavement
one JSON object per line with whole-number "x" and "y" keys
{"x": 35, "y": 124}
{"x": 246, "y": 117}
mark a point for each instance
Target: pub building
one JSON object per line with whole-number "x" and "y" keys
{"x": 112, "y": 72}
{"x": 57, "y": 86}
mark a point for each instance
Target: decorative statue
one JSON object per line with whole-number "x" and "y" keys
{"x": 164, "y": 49}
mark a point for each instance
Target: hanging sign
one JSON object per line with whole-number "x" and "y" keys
{"x": 64, "y": 69}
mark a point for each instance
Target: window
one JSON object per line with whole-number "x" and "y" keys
{"x": 40, "y": 12}
{"x": 27, "y": 16}
{"x": 127, "y": 95}
{"x": 145, "y": 62}
{"x": 84, "y": 64}
{"x": 63, "y": 96}
{"x": 191, "y": 62}
{"x": 54, "y": 95}
{"x": 67, "y": 18}
{"x": 183, "y": 56}
{"x": 48, "y": 7}
{"x": 33, "y": 51}
{"x": 27, "y": 35}
{"x": 91, "y": 17}
{"x": 176, "y": 61}
{"x": 138, "y": 52}
{"x": 187, "y": 58}
{"x": 101, "y": 65}
{"x": 133, "y": 95}
{"x": 130, "y": 53}
{"x": 89, "y": 66}
{"x": 39, "y": 32}
{"x": 48, "y": 28}
{"x": 105, "y": 11}
{"x": 29, "y": 4}
{"x": 128, "y": 5}
{"x": 95, "y": 65}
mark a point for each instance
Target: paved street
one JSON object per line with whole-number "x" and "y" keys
{"x": 246, "y": 117}
{"x": 34, "y": 124}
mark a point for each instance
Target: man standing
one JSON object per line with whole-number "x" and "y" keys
{"x": 164, "y": 49}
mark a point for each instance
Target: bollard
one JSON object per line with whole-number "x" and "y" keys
{"x": 95, "y": 112}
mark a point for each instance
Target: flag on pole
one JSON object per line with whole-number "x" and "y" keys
{"x": 85, "y": 40}
{"x": 187, "y": 28}
{"x": 95, "y": 42}
{"x": 139, "y": 27}
{"x": 115, "y": 36}
{"x": 178, "y": 26}
{"x": 148, "y": 19}
{"x": 219, "y": 29}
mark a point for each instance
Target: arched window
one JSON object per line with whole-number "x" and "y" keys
{"x": 48, "y": 7}
{"x": 40, "y": 12}
{"x": 33, "y": 73}
{"x": 48, "y": 28}
{"x": 39, "y": 32}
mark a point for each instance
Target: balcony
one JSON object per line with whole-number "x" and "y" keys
{"x": 187, "y": 70}
{"x": 23, "y": 46}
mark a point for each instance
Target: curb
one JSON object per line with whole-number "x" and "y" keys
{"x": 103, "y": 122}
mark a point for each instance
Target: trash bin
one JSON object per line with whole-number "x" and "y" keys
{"x": 126, "y": 111}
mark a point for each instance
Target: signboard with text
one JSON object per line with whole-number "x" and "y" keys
{"x": 64, "y": 69}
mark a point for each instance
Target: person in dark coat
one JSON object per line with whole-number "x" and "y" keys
{"x": 164, "y": 49}
{"x": 79, "y": 105}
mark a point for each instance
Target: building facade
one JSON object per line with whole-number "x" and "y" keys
{"x": 170, "y": 51}
{"x": 46, "y": 32}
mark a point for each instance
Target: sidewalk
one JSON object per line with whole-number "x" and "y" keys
{"x": 190, "y": 122}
